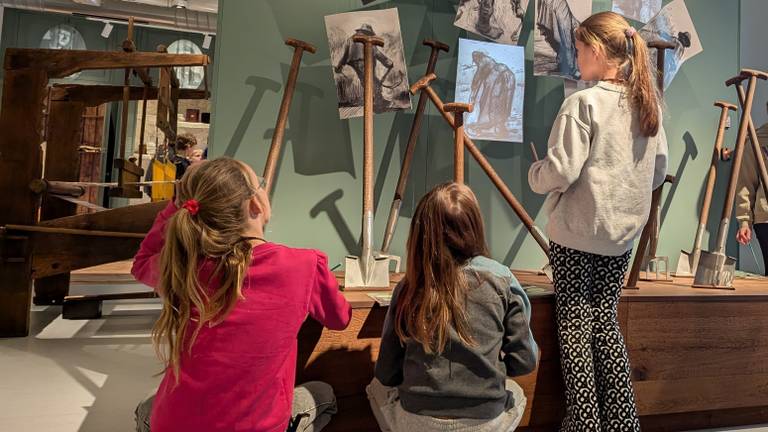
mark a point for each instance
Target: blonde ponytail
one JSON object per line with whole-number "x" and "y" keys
{"x": 611, "y": 34}
{"x": 214, "y": 232}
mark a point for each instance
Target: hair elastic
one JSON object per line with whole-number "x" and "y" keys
{"x": 192, "y": 206}
{"x": 629, "y": 32}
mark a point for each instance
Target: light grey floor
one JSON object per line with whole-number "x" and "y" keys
{"x": 85, "y": 376}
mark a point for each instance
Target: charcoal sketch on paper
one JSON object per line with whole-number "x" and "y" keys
{"x": 491, "y": 77}
{"x": 390, "y": 79}
{"x": 638, "y": 10}
{"x": 497, "y": 20}
{"x": 554, "y": 43}
{"x": 673, "y": 24}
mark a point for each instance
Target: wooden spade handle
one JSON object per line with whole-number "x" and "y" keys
{"x": 373, "y": 40}
{"x": 436, "y": 45}
{"x": 726, "y": 105}
{"x": 306, "y": 46}
{"x": 458, "y": 107}
{"x": 661, "y": 44}
{"x": 423, "y": 83}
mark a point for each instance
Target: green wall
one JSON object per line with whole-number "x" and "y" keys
{"x": 322, "y": 157}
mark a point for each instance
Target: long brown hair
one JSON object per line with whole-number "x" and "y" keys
{"x": 221, "y": 187}
{"x": 446, "y": 232}
{"x": 611, "y": 34}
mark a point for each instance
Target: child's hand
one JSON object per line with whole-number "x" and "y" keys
{"x": 744, "y": 235}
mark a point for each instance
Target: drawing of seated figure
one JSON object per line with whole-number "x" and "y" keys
{"x": 492, "y": 92}
{"x": 557, "y": 24}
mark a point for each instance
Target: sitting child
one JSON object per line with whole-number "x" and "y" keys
{"x": 233, "y": 305}
{"x": 457, "y": 327}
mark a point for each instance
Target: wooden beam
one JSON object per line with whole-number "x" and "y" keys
{"x": 62, "y": 163}
{"x": 72, "y": 252}
{"x": 131, "y": 219}
{"x": 20, "y": 162}
{"x": 62, "y": 63}
{"x": 95, "y": 95}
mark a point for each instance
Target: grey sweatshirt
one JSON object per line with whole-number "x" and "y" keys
{"x": 465, "y": 381}
{"x": 751, "y": 206}
{"x": 599, "y": 172}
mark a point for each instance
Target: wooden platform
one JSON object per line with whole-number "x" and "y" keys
{"x": 699, "y": 357}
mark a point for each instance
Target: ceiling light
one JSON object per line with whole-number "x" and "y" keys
{"x": 180, "y": 4}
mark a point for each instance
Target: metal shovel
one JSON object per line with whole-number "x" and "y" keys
{"x": 689, "y": 261}
{"x": 368, "y": 271}
{"x": 715, "y": 269}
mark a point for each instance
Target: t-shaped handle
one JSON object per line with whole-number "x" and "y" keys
{"x": 423, "y": 83}
{"x": 306, "y": 46}
{"x": 458, "y": 107}
{"x": 746, "y": 74}
{"x": 436, "y": 45}
{"x": 366, "y": 39}
{"x": 726, "y": 105}
{"x": 661, "y": 44}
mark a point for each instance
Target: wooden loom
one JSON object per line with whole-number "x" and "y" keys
{"x": 41, "y": 238}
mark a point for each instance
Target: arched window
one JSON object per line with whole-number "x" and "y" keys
{"x": 190, "y": 77}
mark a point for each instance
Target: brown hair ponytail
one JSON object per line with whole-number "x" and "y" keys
{"x": 446, "y": 232}
{"x": 611, "y": 34}
{"x": 214, "y": 231}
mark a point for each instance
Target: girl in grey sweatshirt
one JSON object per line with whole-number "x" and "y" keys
{"x": 607, "y": 152}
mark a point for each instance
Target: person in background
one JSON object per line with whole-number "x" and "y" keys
{"x": 751, "y": 205}
{"x": 607, "y": 153}
{"x": 457, "y": 326}
{"x": 197, "y": 154}
{"x": 185, "y": 142}
{"x": 233, "y": 304}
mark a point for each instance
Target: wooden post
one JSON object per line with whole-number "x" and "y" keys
{"x": 62, "y": 163}
{"x": 24, "y": 91}
{"x": 458, "y": 147}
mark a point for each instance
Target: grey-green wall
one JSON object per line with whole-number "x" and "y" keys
{"x": 322, "y": 157}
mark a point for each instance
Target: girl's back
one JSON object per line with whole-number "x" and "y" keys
{"x": 457, "y": 326}
{"x": 236, "y": 371}
{"x": 466, "y": 381}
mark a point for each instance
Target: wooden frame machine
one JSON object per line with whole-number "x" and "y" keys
{"x": 41, "y": 238}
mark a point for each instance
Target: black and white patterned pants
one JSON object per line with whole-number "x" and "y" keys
{"x": 598, "y": 389}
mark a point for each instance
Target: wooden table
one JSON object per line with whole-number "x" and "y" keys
{"x": 699, "y": 357}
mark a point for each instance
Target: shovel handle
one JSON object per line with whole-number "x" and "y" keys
{"x": 305, "y": 46}
{"x": 423, "y": 83}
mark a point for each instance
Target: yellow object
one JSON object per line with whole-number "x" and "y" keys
{"x": 163, "y": 171}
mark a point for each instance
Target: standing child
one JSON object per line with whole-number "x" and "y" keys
{"x": 607, "y": 152}
{"x": 457, "y": 327}
{"x": 233, "y": 304}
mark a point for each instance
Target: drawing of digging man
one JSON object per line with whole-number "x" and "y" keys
{"x": 353, "y": 57}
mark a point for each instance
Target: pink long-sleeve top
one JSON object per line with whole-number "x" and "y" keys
{"x": 240, "y": 373}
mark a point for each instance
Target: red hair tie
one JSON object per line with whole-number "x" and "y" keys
{"x": 192, "y": 206}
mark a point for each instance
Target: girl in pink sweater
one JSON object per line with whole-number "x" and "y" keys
{"x": 233, "y": 304}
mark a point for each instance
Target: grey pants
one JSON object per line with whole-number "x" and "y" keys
{"x": 313, "y": 406}
{"x": 391, "y": 417}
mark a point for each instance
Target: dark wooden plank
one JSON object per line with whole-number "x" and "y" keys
{"x": 354, "y": 416}
{"x": 62, "y": 163}
{"x": 705, "y": 419}
{"x": 134, "y": 219}
{"x": 24, "y": 93}
{"x": 62, "y": 253}
{"x": 95, "y": 95}
{"x": 697, "y": 394}
{"x": 62, "y": 63}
